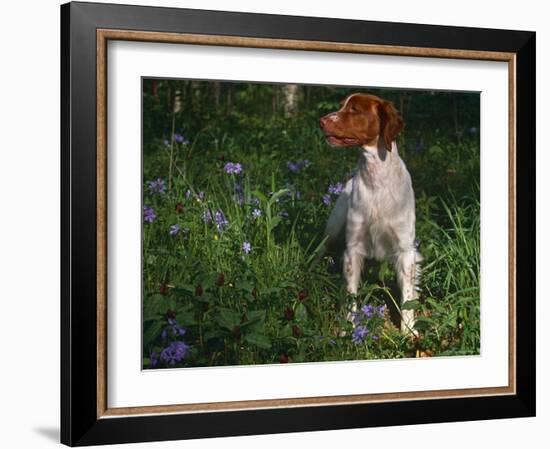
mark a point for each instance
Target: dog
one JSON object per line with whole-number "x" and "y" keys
{"x": 375, "y": 212}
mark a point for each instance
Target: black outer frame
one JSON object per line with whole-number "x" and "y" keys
{"x": 79, "y": 422}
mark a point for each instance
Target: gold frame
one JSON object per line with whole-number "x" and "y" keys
{"x": 103, "y": 36}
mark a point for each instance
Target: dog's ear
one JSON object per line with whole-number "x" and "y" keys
{"x": 391, "y": 123}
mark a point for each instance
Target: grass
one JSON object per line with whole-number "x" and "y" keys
{"x": 274, "y": 304}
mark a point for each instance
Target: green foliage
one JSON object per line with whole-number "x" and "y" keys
{"x": 278, "y": 303}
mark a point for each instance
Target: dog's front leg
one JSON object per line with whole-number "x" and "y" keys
{"x": 407, "y": 270}
{"x": 353, "y": 265}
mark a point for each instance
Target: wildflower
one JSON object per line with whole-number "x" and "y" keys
{"x": 174, "y": 230}
{"x": 336, "y": 189}
{"x": 238, "y": 188}
{"x": 174, "y": 352}
{"x": 289, "y": 314}
{"x": 164, "y": 289}
{"x": 187, "y": 193}
{"x": 199, "y": 290}
{"x": 246, "y": 247}
{"x": 368, "y": 310}
{"x": 149, "y": 214}
{"x": 221, "y": 221}
{"x": 166, "y": 142}
{"x": 359, "y": 334}
{"x": 207, "y": 217}
{"x": 233, "y": 168}
{"x": 256, "y": 213}
{"x": 181, "y": 139}
{"x": 200, "y": 197}
{"x": 154, "y": 359}
{"x": 327, "y": 200}
{"x": 295, "y": 167}
{"x": 220, "y": 280}
{"x": 177, "y": 330}
{"x": 157, "y": 186}
{"x": 255, "y": 201}
{"x": 302, "y": 295}
{"x": 179, "y": 208}
{"x": 381, "y": 310}
{"x": 296, "y": 331}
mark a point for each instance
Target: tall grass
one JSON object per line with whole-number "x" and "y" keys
{"x": 269, "y": 302}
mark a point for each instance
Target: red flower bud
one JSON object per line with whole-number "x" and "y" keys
{"x": 198, "y": 290}
{"x": 179, "y": 208}
{"x": 289, "y": 314}
{"x": 164, "y": 289}
{"x": 296, "y": 331}
{"x": 220, "y": 280}
{"x": 302, "y": 295}
{"x": 283, "y": 358}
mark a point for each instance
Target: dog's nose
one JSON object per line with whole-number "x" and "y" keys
{"x": 323, "y": 121}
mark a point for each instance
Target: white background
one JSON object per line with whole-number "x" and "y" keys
{"x": 29, "y": 237}
{"x": 128, "y": 386}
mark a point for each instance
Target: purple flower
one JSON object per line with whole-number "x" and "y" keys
{"x": 174, "y": 352}
{"x": 187, "y": 193}
{"x": 359, "y": 334}
{"x": 174, "y": 230}
{"x": 221, "y": 221}
{"x": 246, "y": 247}
{"x": 233, "y": 168}
{"x": 149, "y": 214}
{"x": 207, "y": 216}
{"x": 177, "y": 330}
{"x": 295, "y": 167}
{"x": 336, "y": 189}
{"x": 238, "y": 188}
{"x": 200, "y": 196}
{"x": 256, "y": 213}
{"x": 166, "y": 142}
{"x": 157, "y": 186}
{"x": 368, "y": 310}
{"x": 327, "y": 200}
{"x": 381, "y": 310}
{"x": 180, "y": 139}
{"x": 154, "y": 359}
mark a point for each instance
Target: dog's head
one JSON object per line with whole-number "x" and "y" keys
{"x": 361, "y": 120}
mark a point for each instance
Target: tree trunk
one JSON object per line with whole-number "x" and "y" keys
{"x": 291, "y": 93}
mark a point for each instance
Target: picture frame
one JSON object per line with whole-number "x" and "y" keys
{"x": 86, "y": 418}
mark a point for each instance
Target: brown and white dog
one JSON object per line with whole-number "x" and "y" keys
{"x": 376, "y": 209}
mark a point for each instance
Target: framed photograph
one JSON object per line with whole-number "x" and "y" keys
{"x": 282, "y": 224}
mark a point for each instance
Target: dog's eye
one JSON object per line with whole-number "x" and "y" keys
{"x": 353, "y": 109}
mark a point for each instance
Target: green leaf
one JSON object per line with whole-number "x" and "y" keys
{"x": 300, "y": 312}
{"x": 277, "y": 195}
{"x": 411, "y": 305}
{"x": 260, "y": 196}
{"x": 227, "y": 318}
{"x": 423, "y": 323}
{"x": 259, "y": 340}
{"x": 256, "y": 319}
{"x": 383, "y": 271}
{"x": 152, "y": 331}
{"x": 273, "y": 223}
